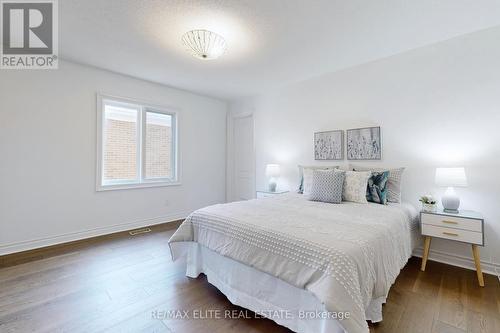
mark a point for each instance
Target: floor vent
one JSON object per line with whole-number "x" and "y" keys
{"x": 139, "y": 231}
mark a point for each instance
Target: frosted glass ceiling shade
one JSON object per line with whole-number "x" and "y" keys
{"x": 446, "y": 177}
{"x": 204, "y": 44}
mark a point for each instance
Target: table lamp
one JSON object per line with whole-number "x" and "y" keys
{"x": 451, "y": 178}
{"x": 273, "y": 172}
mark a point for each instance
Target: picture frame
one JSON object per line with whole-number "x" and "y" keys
{"x": 329, "y": 145}
{"x": 364, "y": 143}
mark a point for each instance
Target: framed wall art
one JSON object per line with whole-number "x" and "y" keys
{"x": 329, "y": 145}
{"x": 364, "y": 144}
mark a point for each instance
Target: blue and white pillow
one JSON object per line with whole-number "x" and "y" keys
{"x": 327, "y": 186}
{"x": 393, "y": 182}
{"x": 377, "y": 189}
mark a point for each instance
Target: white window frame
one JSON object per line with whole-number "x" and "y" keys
{"x": 142, "y": 108}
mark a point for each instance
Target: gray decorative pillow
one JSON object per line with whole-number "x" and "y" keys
{"x": 393, "y": 182}
{"x": 306, "y": 172}
{"x": 327, "y": 186}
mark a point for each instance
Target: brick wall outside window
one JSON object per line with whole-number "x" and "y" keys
{"x": 120, "y": 159}
{"x": 121, "y": 147}
{"x": 158, "y": 151}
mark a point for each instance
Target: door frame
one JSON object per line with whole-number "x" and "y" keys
{"x": 230, "y": 163}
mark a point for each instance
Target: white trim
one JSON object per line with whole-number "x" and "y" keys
{"x": 144, "y": 184}
{"x": 139, "y": 101}
{"x": 459, "y": 261}
{"x": 142, "y": 107}
{"x": 79, "y": 235}
{"x": 139, "y": 141}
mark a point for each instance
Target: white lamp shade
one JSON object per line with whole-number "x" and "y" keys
{"x": 447, "y": 177}
{"x": 272, "y": 170}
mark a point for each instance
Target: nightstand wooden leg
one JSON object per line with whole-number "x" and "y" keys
{"x": 427, "y": 245}
{"x": 477, "y": 261}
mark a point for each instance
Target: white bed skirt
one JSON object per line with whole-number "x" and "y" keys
{"x": 263, "y": 293}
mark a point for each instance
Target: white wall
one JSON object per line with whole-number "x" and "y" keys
{"x": 48, "y": 157}
{"x": 437, "y": 106}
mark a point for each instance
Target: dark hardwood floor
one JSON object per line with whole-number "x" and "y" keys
{"x": 117, "y": 284}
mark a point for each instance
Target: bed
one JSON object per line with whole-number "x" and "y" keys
{"x": 309, "y": 266}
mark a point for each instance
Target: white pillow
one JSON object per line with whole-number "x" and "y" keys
{"x": 307, "y": 180}
{"x": 355, "y": 184}
{"x": 306, "y": 173}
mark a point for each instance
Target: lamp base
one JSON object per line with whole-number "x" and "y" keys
{"x": 272, "y": 185}
{"x": 450, "y": 201}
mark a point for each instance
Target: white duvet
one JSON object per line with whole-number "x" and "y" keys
{"x": 348, "y": 255}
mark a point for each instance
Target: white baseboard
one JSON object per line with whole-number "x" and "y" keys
{"x": 460, "y": 261}
{"x": 79, "y": 235}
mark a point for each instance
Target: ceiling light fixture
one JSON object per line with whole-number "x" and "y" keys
{"x": 204, "y": 44}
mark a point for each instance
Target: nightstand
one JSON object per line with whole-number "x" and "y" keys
{"x": 466, "y": 226}
{"x": 267, "y": 194}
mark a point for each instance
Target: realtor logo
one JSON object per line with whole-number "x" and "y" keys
{"x": 29, "y": 34}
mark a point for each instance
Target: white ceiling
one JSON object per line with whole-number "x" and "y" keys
{"x": 270, "y": 42}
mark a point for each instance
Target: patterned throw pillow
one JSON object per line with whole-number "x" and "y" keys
{"x": 377, "y": 187}
{"x": 355, "y": 184}
{"x": 327, "y": 186}
{"x": 306, "y": 173}
{"x": 393, "y": 183}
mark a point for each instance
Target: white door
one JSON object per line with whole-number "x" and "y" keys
{"x": 243, "y": 158}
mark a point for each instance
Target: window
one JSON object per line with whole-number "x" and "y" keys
{"x": 137, "y": 145}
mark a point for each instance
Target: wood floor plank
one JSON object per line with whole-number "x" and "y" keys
{"x": 53, "y": 313}
{"x": 482, "y": 299}
{"x": 418, "y": 315}
{"x": 479, "y": 322}
{"x": 440, "y": 327}
{"x": 453, "y": 301}
{"x": 139, "y": 323}
{"x": 175, "y": 299}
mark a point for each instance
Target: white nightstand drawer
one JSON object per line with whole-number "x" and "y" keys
{"x": 454, "y": 234}
{"x": 452, "y": 222}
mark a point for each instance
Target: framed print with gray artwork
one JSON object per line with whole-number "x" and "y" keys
{"x": 329, "y": 145}
{"x": 364, "y": 144}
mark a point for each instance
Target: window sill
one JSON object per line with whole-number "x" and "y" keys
{"x": 102, "y": 188}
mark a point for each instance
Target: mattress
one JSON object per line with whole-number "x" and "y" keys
{"x": 346, "y": 255}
